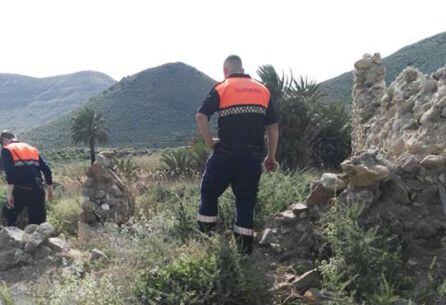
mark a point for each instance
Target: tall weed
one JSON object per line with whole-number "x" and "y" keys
{"x": 363, "y": 262}
{"x": 217, "y": 275}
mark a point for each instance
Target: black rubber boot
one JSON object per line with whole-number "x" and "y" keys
{"x": 244, "y": 243}
{"x": 207, "y": 228}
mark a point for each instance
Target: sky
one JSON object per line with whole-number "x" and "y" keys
{"x": 316, "y": 38}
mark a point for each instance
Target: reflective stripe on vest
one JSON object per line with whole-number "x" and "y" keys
{"x": 23, "y": 154}
{"x": 242, "y": 92}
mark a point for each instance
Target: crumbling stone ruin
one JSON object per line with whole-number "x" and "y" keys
{"x": 107, "y": 198}
{"x": 23, "y": 247}
{"x": 397, "y": 171}
{"x": 399, "y": 161}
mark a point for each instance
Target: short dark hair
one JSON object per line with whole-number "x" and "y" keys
{"x": 235, "y": 59}
{"x": 233, "y": 63}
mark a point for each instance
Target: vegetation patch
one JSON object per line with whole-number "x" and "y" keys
{"x": 364, "y": 265}
{"x": 218, "y": 276}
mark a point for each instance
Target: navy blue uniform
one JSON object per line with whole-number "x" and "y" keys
{"x": 244, "y": 109}
{"x": 23, "y": 167}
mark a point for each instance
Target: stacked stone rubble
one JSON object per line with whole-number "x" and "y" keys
{"x": 21, "y": 247}
{"x": 107, "y": 198}
{"x": 408, "y": 117}
{"x": 291, "y": 237}
{"x": 398, "y": 169}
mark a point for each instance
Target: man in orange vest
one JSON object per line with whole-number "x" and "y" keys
{"x": 245, "y": 113}
{"x": 23, "y": 167}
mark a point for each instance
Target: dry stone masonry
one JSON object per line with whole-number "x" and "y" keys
{"x": 399, "y": 160}
{"x": 397, "y": 171}
{"x": 22, "y": 247}
{"x": 107, "y": 198}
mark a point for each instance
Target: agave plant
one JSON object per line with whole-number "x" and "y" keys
{"x": 125, "y": 166}
{"x": 199, "y": 153}
{"x": 177, "y": 162}
{"x": 307, "y": 126}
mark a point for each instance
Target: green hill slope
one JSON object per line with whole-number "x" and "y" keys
{"x": 155, "y": 107}
{"x": 427, "y": 55}
{"x": 28, "y": 102}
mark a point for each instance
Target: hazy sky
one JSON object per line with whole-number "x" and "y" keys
{"x": 317, "y": 38}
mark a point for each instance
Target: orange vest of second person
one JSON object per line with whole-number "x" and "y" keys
{"x": 244, "y": 91}
{"x": 23, "y": 154}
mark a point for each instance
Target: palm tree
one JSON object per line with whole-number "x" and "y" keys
{"x": 88, "y": 128}
{"x": 277, "y": 85}
{"x": 305, "y": 122}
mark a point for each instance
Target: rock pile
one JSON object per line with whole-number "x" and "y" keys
{"x": 107, "y": 198}
{"x": 292, "y": 239}
{"x": 289, "y": 235}
{"x": 22, "y": 247}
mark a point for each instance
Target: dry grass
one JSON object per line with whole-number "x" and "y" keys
{"x": 148, "y": 163}
{"x": 68, "y": 178}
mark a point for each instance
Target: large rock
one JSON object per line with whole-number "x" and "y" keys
{"x": 58, "y": 245}
{"x": 19, "y": 247}
{"x": 333, "y": 182}
{"x": 319, "y": 195}
{"x": 13, "y": 258}
{"x": 310, "y": 279}
{"x": 361, "y": 175}
{"x": 33, "y": 241}
{"x": 11, "y": 237}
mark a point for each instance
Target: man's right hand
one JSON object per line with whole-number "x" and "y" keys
{"x": 270, "y": 163}
{"x": 212, "y": 142}
{"x": 50, "y": 193}
{"x": 10, "y": 201}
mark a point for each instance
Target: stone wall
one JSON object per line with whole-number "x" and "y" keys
{"x": 399, "y": 159}
{"x": 408, "y": 117}
{"x": 397, "y": 172}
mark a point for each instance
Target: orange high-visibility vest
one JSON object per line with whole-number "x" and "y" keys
{"x": 238, "y": 91}
{"x": 23, "y": 154}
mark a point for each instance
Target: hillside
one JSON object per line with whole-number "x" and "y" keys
{"x": 427, "y": 55}
{"x": 154, "y": 107}
{"x": 27, "y": 102}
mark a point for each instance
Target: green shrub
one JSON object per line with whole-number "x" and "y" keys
{"x": 87, "y": 290}
{"x": 385, "y": 294}
{"x": 126, "y": 167}
{"x": 432, "y": 288}
{"x": 311, "y": 133}
{"x": 278, "y": 190}
{"x": 199, "y": 154}
{"x": 188, "y": 280}
{"x": 63, "y": 215}
{"x": 5, "y": 295}
{"x": 363, "y": 262}
{"x": 177, "y": 162}
{"x": 218, "y": 276}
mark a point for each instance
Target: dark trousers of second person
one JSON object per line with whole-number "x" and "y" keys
{"x": 240, "y": 168}
{"x": 31, "y": 197}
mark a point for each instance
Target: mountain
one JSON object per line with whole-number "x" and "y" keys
{"x": 427, "y": 55}
{"x": 27, "y": 102}
{"x": 154, "y": 107}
